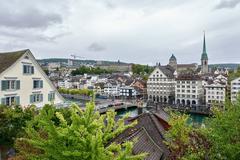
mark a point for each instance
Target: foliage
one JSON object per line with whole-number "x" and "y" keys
{"x": 224, "y": 132}
{"x": 89, "y": 70}
{"x": 86, "y": 92}
{"x": 141, "y": 69}
{"x": 86, "y": 136}
{"x": 184, "y": 141}
{"x": 12, "y": 121}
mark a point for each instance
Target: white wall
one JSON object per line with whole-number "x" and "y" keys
{"x": 26, "y": 82}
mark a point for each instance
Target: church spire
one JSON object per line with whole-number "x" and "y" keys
{"x": 204, "y": 53}
{"x": 204, "y": 43}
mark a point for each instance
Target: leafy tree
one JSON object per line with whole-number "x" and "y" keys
{"x": 85, "y": 137}
{"x": 89, "y": 70}
{"x": 12, "y": 121}
{"x": 184, "y": 141}
{"x": 223, "y": 131}
{"x": 86, "y": 92}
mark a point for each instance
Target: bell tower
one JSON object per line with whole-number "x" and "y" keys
{"x": 204, "y": 58}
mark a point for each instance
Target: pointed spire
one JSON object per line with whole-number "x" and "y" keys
{"x": 204, "y": 43}
{"x": 204, "y": 52}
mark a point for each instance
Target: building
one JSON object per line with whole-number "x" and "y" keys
{"x": 111, "y": 89}
{"x": 161, "y": 85}
{"x": 128, "y": 92}
{"x": 204, "y": 58}
{"x": 235, "y": 89}
{"x": 173, "y": 61}
{"x": 215, "y": 93}
{"x": 23, "y": 82}
{"x": 189, "y": 90}
{"x": 149, "y": 134}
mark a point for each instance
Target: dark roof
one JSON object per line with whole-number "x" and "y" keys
{"x": 149, "y": 132}
{"x": 173, "y": 58}
{"x": 8, "y": 58}
{"x": 188, "y": 77}
{"x": 167, "y": 70}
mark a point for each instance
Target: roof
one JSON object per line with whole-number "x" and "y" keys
{"x": 173, "y": 58}
{"x": 149, "y": 132}
{"x": 167, "y": 70}
{"x": 188, "y": 77}
{"x": 9, "y": 58}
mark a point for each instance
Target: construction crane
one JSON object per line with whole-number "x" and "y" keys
{"x": 76, "y": 56}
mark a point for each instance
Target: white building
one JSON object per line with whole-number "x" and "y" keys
{"x": 65, "y": 83}
{"x": 188, "y": 90}
{"x": 215, "y": 93}
{"x": 23, "y": 82}
{"x": 128, "y": 92}
{"x": 235, "y": 89}
{"x": 161, "y": 85}
{"x": 111, "y": 89}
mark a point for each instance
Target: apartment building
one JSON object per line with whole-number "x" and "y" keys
{"x": 235, "y": 89}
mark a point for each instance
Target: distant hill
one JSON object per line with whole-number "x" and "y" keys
{"x": 231, "y": 66}
{"x": 76, "y": 61}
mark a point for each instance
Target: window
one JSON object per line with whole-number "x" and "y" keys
{"x": 37, "y": 84}
{"x": 12, "y": 100}
{"x": 28, "y": 69}
{"x": 36, "y": 98}
{"x": 10, "y": 85}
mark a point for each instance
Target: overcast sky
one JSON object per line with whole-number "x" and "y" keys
{"x": 139, "y": 31}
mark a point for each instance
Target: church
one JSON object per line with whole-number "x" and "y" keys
{"x": 192, "y": 67}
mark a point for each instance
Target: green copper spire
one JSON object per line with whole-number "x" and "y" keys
{"x": 204, "y": 53}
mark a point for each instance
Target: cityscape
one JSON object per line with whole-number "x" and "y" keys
{"x": 141, "y": 101}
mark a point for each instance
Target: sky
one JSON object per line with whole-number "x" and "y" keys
{"x": 137, "y": 31}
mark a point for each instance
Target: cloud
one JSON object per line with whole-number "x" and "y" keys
{"x": 227, "y": 4}
{"x": 30, "y": 18}
{"x": 95, "y": 47}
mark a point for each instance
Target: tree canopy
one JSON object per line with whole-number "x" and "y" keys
{"x": 85, "y": 135}
{"x": 89, "y": 70}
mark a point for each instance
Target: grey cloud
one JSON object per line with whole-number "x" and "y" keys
{"x": 227, "y": 4}
{"x": 30, "y": 18}
{"x": 96, "y": 47}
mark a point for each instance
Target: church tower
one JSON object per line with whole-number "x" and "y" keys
{"x": 173, "y": 62}
{"x": 204, "y": 58}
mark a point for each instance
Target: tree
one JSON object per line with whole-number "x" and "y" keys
{"x": 219, "y": 139}
{"x": 12, "y": 121}
{"x": 184, "y": 141}
{"x": 223, "y": 131}
{"x": 85, "y": 136}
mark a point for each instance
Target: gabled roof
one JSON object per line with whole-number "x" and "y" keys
{"x": 167, "y": 70}
{"x": 9, "y": 58}
{"x": 149, "y": 132}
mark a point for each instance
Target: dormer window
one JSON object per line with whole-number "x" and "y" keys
{"x": 28, "y": 69}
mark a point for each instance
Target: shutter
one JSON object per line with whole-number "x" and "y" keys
{"x": 32, "y": 70}
{"x": 17, "y": 100}
{"x": 49, "y": 96}
{"x": 53, "y": 97}
{"x": 41, "y": 97}
{"x": 3, "y": 101}
{"x": 4, "y": 85}
{"x": 31, "y": 99}
{"x": 41, "y": 84}
{"x": 18, "y": 84}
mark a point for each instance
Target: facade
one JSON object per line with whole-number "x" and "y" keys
{"x": 204, "y": 58}
{"x": 111, "y": 89}
{"x": 188, "y": 90}
{"x": 23, "y": 82}
{"x": 215, "y": 94}
{"x": 235, "y": 89}
{"x": 161, "y": 85}
{"x": 128, "y": 92}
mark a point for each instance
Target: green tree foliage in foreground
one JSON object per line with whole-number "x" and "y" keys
{"x": 219, "y": 139}
{"x": 12, "y": 123}
{"x": 84, "y": 136}
{"x": 86, "y": 92}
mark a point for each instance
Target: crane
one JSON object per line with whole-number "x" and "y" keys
{"x": 76, "y": 56}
